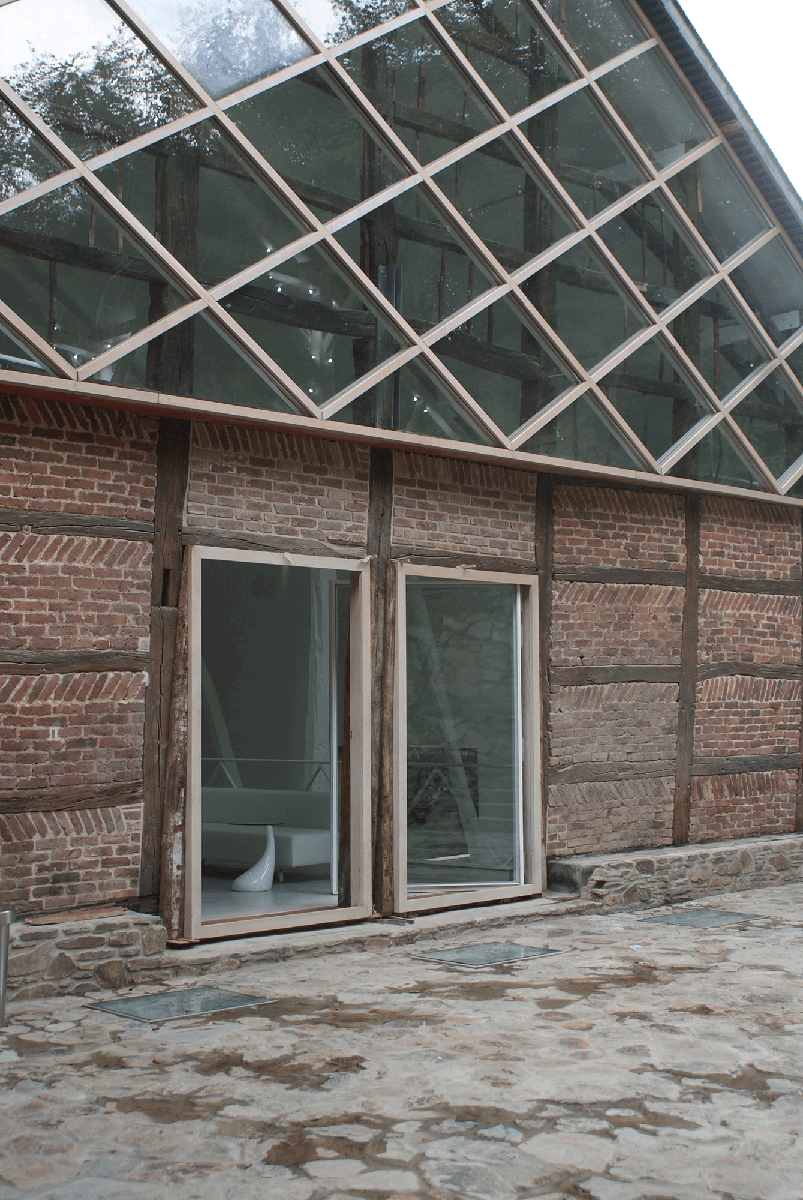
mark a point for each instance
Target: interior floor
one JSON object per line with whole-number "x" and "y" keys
{"x": 220, "y": 903}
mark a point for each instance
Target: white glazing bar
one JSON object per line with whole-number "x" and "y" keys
{"x": 631, "y": 442}
{"x": 121, "y": 349}
{"x": 39, "y": 347}
{"x": 548, "y": 413}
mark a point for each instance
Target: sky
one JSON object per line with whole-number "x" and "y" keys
{"x": 757, "y": 47}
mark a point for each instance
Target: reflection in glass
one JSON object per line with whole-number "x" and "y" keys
{"x": 411, "y": 401}
{"x": 504, "y": 367}
{"x": 25, "y": 159}
{"x": 273, "y": 687}
{"x": 84, "y": 72}
{"x": 646, "y": 242}
{"x": 408, "y": 251}
{"x": 211, "y": 369}
{"x": 313, "y": 324}
{"x": 407, "y": 78}
{"x": 463, "y": 755}
{"x": 655, "y": 108}
{"x": 653, "y": 397}
{"x": 718, "y": 203}
{"x": 75, "y": 277}
{"x": 502, "y": 203}
{"x": 224, "y": 44}
{"x": 202, "y": 204}
{"x": 579, "y": 149}
{"x": 597, "y": 32}
{"x": 15, "y": 356}
{"x": 577, "y": 296}
{"x": 315, "y": 142}
{"x": 336, "y": 21}
{"x": 772, "y": 419}
{"x": 509, "y": 48}
{"x": 715, "y": 460}
{"x": 771, "y": 282}
{"x": 579, "y": 433}
{"x": 717, "y": 342}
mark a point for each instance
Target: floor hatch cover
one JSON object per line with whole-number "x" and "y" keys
{"x": 185, "y": 1002}
{"x": 485, "y": 954}
{"x": 702, "y": 918}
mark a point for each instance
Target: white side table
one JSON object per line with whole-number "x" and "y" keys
{"x": 258, "y": 878}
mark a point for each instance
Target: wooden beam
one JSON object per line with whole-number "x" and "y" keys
{"x": 12, "y": 520}
{"x": 579, "y": 676}
{"x": 762, "y": 587}
{"x": 751, "y": 670}
{"x": 174, "y": 792}
{"x": 70, "y": 799}
{"x": 544, "y": 559}
{"x": 172, "y": 467}
{"x": 195, "y": 536}
{"x": 454, "y": 559}
{"x": 742, "y": 763}
{"x": 69, "y": 662}
{"x": 681, "y": 816}
{"x": 603, "y": 772}
{"x": 665, "y": 578}
{"x": 383, "y": 608}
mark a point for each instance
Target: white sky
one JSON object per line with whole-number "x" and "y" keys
{"x": 757, "y": 47}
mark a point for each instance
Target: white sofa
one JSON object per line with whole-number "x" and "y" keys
{"x": 301, "y": 823}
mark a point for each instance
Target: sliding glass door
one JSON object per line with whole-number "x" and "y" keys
{"x": 466, "y": 736}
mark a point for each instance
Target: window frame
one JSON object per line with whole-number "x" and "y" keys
{"x": 532, "y": 840}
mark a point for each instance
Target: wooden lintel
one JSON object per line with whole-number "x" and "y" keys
{"x": 669, "y": 577}
{"x": 763, "y": 587}
{"x": 743, "y": 763}
{"x": 752, "y": 670}
{"x": 197, "y": 536}
{"x": 602, "y": 772}
{"x": 75, "y": 524}
{"x": 68, "y": 662}
{"x": 578, "y": 676}
{"x": 454, "y": 560}
{"x": 70, "y": 799}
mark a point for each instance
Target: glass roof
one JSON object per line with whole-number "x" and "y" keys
{"x": 432, "y": 220}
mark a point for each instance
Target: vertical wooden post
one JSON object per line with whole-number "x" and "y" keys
{"x": 172, "y": 468}
{"x": 799, "y": 804}
{"x": 174, "y": 788}
{"x": 681, "y": 817}
{"x": 383, "y": 595}
{"x": 544, "y": 558}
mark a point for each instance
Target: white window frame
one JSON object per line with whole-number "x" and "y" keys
{"x": 360, "y": 761}
{"x": 531, "y": 836}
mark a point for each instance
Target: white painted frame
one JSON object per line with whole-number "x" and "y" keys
{"x": 531, "y": 837}
{"x": 360, "y": 727}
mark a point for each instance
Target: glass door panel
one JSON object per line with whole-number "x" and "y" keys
{"x": 463, "y": 675}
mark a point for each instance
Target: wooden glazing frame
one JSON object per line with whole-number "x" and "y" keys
{"x": 414, "y": 346}
{"x": 360, "y": 761}
{"x": 529, "y": 723}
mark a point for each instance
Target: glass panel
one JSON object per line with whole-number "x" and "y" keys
{"x": 576, "y": 295}
{"x": 577, "y": 146}
{"x": 715, "y": 460}
{"x": 656, "y": 109}
{"x": 225, "y": 45}
{"x": 85, "y": 73}
{"x": 795, "y": 361}
{"x": 509, "y": 48}
{"x": 309, "y": 135}
{"x": 336, "y": 21}
{"x": 413, "y": 258}
{"x": 647, "y": 243}
{"x": 407, "y": 77}
{"x": 202, "y": 204}
{"x": 273, "y": 657}
{"x": 653, "y": 397}
{"x": 25, "y": 159}
{"x": 75, "y": 277}
{"x": 580, "y": 433}
{"x": 211, "y": 369}
{"x": 717, "y": 342}
{"x": 409, "y": 400}
{"x": 772, "y": 418}
{"x": 718, "y": 203}
{"x": 15, "y": 356}
{"x": 772, "y": 284}
{"x": 313, "y": 324}
{"x": 597, "y": 32}
{"x": 503, "y": 204}
{"x": 496, "y": 358}
{"x": 463, "y": 784}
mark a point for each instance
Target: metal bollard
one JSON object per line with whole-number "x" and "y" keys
{"x": 6, "y": 917}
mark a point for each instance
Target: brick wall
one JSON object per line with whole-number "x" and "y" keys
{"x": 65, "y": 592}
{"x": 749, "y": 540}
{"x": 613, "y": 527}
{"x": 604, "y": 624}
{"x": 598, "y": 818}
{"x": 737, "y": 714}
{"x": 258, "y": 482}
{"x": 745, "y": 627}
{"x": 613, "y": 722}
{"x": 744, "y": 805}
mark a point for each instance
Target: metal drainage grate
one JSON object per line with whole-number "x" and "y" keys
{"x": 168, "y": 1006}
{"x": 486, "y": 954}
{"x": 702, "y": 918}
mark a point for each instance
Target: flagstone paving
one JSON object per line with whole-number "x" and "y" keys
{"x": 646, "y": 1061}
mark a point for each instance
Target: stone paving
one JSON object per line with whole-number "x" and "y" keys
{"x": 645, "y": 1061}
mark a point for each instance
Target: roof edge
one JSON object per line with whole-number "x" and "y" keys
{"x": 731, "y": 117}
